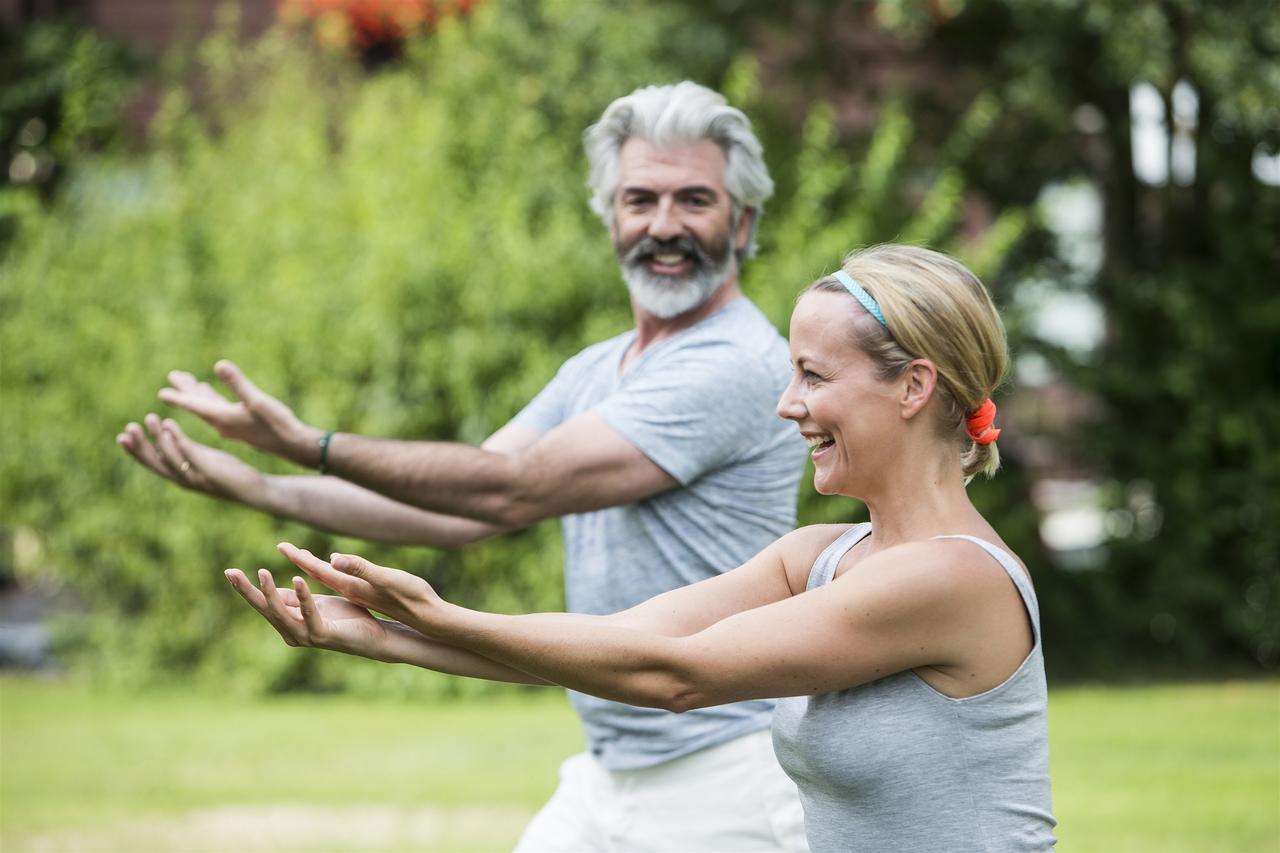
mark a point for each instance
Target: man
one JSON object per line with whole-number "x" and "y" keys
{"x": 659, "y": 448}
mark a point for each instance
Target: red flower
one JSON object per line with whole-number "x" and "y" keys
{"x": 370, "y": 24}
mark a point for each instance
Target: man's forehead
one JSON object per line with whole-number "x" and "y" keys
{"x": 686, "y": 163}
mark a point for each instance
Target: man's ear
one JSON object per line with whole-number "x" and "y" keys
{"x": 919, "y": 380}
{"x": 742, "y": 237}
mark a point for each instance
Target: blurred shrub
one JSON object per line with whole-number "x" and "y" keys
{"x": 62, "y": 90}
{"x": 405, "y": 254}
{"x": 1184, "y": 388}
{"x": 831, "y": 202}
{"x": 1173, "y": 413}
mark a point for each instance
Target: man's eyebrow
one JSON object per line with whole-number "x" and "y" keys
{"x": 698, "y": 189}
{"x": 692, "y": 189}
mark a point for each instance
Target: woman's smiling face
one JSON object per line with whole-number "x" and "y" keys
{"x": 848, "y": 415}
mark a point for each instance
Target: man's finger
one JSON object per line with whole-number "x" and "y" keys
{"x": 214, "y": 410}
{"x": 154, "y": 426}
{"x": 188, "y": 449}
{"x": 189, "y": 383}
{"x": 182, "y": 380}
{"x": 173, "y": 456}
{"x": 233, "y": 377}
{"x": 135, "y": 443}
{"x": 156, "y": 444}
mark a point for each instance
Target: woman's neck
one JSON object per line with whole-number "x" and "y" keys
{"x": 924, "y": 497}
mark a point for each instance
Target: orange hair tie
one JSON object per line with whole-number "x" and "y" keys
{"x": 979, "y": 423}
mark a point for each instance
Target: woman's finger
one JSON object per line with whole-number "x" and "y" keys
{"x": 310, "y": 612}
{"x": 257, "y": 600}
{"x": 314, "y": 566}
{"x": 278, "y": 607}
{"x": 247, "y": 590}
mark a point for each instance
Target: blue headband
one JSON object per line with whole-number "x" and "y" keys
{"x": 855, "y": 289}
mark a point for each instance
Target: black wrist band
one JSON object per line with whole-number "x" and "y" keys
{"x": 323, "y": 467}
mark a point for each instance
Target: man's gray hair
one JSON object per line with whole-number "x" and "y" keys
{"x": 678, "y": 115}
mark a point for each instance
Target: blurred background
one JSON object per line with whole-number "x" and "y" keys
{"x": 377, "y": 208}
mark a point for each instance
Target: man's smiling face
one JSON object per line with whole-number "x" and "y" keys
{"x": 673, "y": 226}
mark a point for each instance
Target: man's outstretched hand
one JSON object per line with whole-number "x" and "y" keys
{"x": 254, "y": 417}
{"x": 170, "y": 454}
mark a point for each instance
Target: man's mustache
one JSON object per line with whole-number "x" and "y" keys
{"x": 647, "y": 247}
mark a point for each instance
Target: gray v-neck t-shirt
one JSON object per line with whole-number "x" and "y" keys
{"x": 701, "y": 405}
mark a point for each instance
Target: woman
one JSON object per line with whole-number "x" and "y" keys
{"x": 909, "y": 647}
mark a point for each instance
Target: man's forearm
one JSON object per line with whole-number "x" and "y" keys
{"x": 457, "y": 479}
{"x": 333, "y": 504}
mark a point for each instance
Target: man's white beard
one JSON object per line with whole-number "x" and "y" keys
{"x": 668, "y": 296}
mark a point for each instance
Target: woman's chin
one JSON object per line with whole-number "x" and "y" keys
{"x": 824, "y": 486}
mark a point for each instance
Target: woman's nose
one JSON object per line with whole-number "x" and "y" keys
{"x": 790, "y": 406}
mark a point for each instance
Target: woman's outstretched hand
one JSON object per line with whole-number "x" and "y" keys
{"x": 404, "y": 597}
{"x": 303, "y": 619}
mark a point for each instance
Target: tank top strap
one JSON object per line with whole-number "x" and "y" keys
{"x": 824, "y": 568}
{"x": 1013, "y": 569}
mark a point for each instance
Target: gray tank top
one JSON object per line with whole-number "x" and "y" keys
{"x": 895, "y": 765}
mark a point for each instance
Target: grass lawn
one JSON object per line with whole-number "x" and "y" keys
{"x": 1173, "y": 768}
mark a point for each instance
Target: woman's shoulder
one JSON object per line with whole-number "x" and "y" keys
{"x": 946, "y": 569}
{"x": 801, "y": 548}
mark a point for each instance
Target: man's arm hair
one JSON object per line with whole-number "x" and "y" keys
{"x": 582, "y": 465}
{"x": 335, "y": 505}
{"x": 328, "y": 503}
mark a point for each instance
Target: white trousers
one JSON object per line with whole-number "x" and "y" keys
{"x": 729, "y": 797}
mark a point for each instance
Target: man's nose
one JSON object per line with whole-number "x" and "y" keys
{"x": 666, "y": 223}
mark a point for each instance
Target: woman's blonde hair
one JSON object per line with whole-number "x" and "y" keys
{"x": 934, "y": 308}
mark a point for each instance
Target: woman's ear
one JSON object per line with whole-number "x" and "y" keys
{"x": 919, "y": 380}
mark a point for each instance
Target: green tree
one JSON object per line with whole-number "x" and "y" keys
{"x": 1185, "y": 386}
{"x": 1187, "y": 378}
{"x": 406, "y": 254}
{"x": 403, "y": 254}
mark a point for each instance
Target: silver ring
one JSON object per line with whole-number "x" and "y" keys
{"x": 185, "y": 466}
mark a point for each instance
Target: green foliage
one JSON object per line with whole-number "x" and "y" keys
{"x": 408, "y": 254}
{"x": 833, "y": 200}
{"x": 1182, "y": 397}
{"x": 61, "y": 91}
{"x": 1188, "y": 376}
